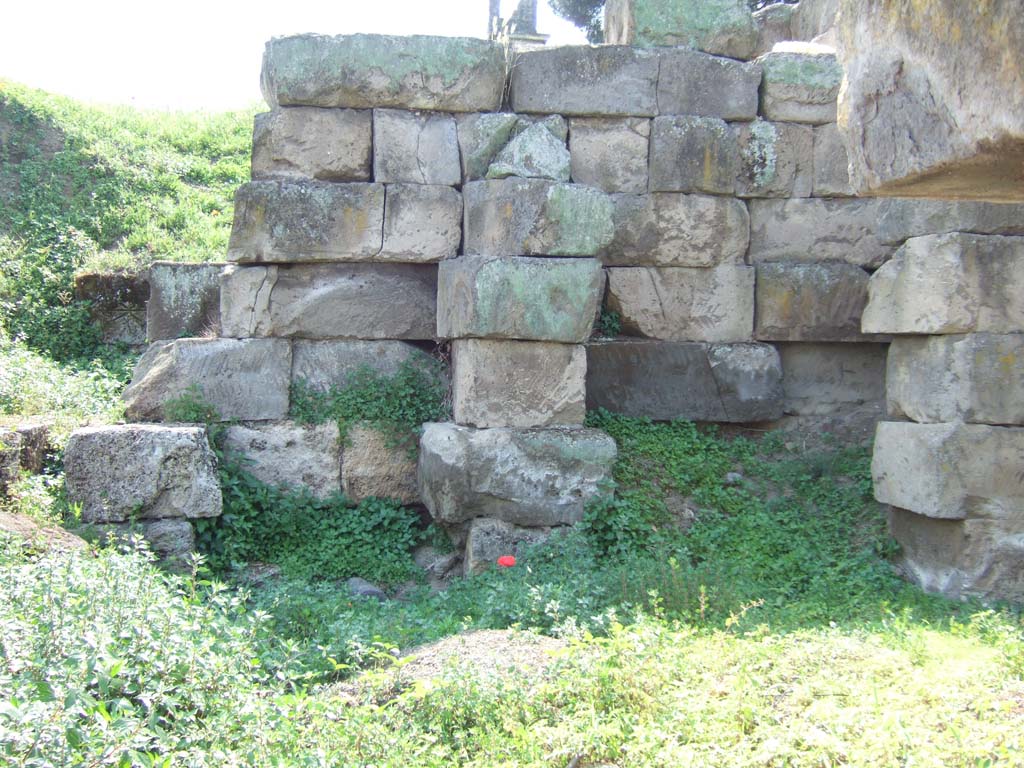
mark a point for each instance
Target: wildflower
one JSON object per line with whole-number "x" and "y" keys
{"x": 506, "y": 561}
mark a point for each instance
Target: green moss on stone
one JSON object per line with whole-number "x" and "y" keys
{"x": 688, "y": 22}
{"x": 581, "y": 217}
{"x": 759, "y": 154}
{"x": 811, "y": 71}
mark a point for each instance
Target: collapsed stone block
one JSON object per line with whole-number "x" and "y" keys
{"x": 693, "y": 154}
{"x": 10, "y": 458}
{"x": 484, "y": 136}
{"x": 313, "y": 143}
{"x": 831, "y": 163}
{"x": 244, "y": 379}
{"x": 773, "y": 24}
{"x": 800, "y": 87}
{"x": 822, "y": 379}
{"x": 535, "y": 153}
{"x": 609, "y": 153}
{"x": 422, "y": 223}
{"x": 723, "y": 27}
{"x": 184, "y": 300}
{"x": 415, "y": 148}
{"x": 899, "y": 220}
{"x": 373, "y": 466}
{"x": 694, "y": 83}
{"x": 25, "y": 444}
{"x": 532, "y": 477}
{"x": 445, "y": 74}
{"x": 288, "y": 454}
{"x": 117, "y": 304}
{"x": 172, "y": 541}
{"x": 323, "y": 364}
{"x": 141, "y": 472}
{"x": 775, "y": 159}
{"x": 489, "y": 539}
{"x": 810, "y": 302}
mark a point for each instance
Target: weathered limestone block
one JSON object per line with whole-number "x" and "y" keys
{"x": 933, "y": 104}
{"x": 141, "y": 471}
{"x": 184, "y": 300}
{"x": 773, "y": 24}
{"x": 800, "y": 87}
{"x": 684, "y": 304}
{"x": 535, "y": 477}
{"x": 676, "y": 230}
{"x": 518, "y": 297}
{"x": 609, "y": 153}
{"x": 483, "y": 136}
{"x": 899, "y": 219}
{"x": 831, "y": 171}
{"x": 810, "y": 302}
{"x": 694, "y": 83}
{"x": 30, "y": 441}
{"x": 289, "y": 454}
{"x": 815, "y": 20}
{"x": 117, "y": 304}
{"x": 172, "y": 540}
{"x": 536, "y": 153}
{"x": 816, "y": 230}
{"x": 10, "y": 458}
{"x": 415, "y": 148}
{"x": 489, "y": 539}
{"x": 513, "y": 217}
{"x": 723, "y": 27}
{"x": 325, "y": 301}
{"x": 321, "y": 365}
{"x": 693, "y": 154}
{"x": 497, "y": 383}
{"x": 666, "y": 380}
{"x": 244, "y": 379}
{"x": 821, "y": 379}
{"x": 775, "y": 159}
{"x": 422, "y": 223}
{"x": 314, "y": 221}
{"x": 313, "y": 143}
{"x": 952, "y": 471}
{"x": 581, "y": 80}
{"x": 446, "y": 74}
{"x": 954, "y": 283}
{"x": 978, "y": 378}
{"x": 371, "y": 466}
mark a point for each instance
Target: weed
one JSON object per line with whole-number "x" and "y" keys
{"x": 609, "y": 324}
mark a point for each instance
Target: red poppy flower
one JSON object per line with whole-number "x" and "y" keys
{"x": 506, "y": 561}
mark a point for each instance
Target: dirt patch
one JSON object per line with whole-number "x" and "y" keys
{"x": 38, "y": 536}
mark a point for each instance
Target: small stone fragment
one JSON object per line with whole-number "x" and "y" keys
{"x": 535, "y": 154}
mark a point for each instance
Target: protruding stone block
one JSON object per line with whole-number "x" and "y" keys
{"x": 535, "y": 477}
{"x": 489, "y": 539}
{"x": 518, "y": 298}
{"x": 773, "y": 24}
{"x": 314, "y": 221}
{"x": 723, "y": 27}
{"x": 831, "y": 163}
{"x": 666, "y": 380}
{"x": 693, "y": 154}
{"x": 684, "y": 304}
{"x": 822, "y": 379}
{"x": 810, "y": 302}
{"x": 373, "y": 466}
{"x": 800, "y": 87}
{"x": 609, "y": 153}
{"x": 518, "y": 383}
{"x": 321, "y": 365}
{"x": 244, "y": 379}
{"x": 141, "y": 472}
{"x": 288, "y": 454}
{"x": 330, "y": 301}
{"x": 27, "y": 441}
{"x": 775, "y": 159}
{"x": 415, "y": 148}
{"x": 446, "y": 74}
{"x": 976, "y": 378}
{"x": 899, "y": 220}
{"x": 422, "y": 223}
{"x": 513, "y": 217}
{"x": 184, "y": 300}
{"x": 943, "y": 284}
{"x": 536, "y": 153}
{"x": 676, "y": 230}
{"x": 694, "y": 83}
{"x": 313, "y": 143}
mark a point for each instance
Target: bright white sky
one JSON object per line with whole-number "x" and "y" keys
{"x": 190, "y": 54}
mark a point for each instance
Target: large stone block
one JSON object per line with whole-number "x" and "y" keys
{"x": 581, "y": 80}
{"x": 694, "y": 83}
{"x": 374, "y": 466}
{"x": 817, "y": 230}
{"x": 415, "y": 148}
{"x": 325, "y": 301}
{"x": 954, "y": 283}
{"x": 976, "y": 377}
{"x": 141, "y": 472}
{"x": 244, "y": 379}
{"x": 800, "y": 87}
{"x": 933, "y": 104}
{"x": 488, "y": 539}
{"x": 518, "y": 383}
{"x": 831, "y": 163}
{"x": 667, "y": 380}
{"x": 313, "y": 143}
{"x": 823, "y": 379}
{"x": 288, "y": 454}
{"x": 693, "y": 154}
{"x": 314, "y": 221}
{"x": 775, "y": 159}
{"x": 527, "y": 217}
{"x": 532, "y": 477}
{"x": 676, "y": 230}
{"x": 810, "y": 302}
{"x": 422, "y": 223}
{"x": 899, "y": 219}
{"x": 322, "y": 365}
{"x": 447, "y": 74}
{"x": 610, "y": 153}
{"x": 723, "y": 27}
{"x": 684, "y": 304}
{"x": 953, "y": 471}
{"x": 184, "y": 300}
{"x": 518, "y": 298}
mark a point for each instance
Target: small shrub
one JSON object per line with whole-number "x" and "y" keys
{"x": 609, "y": 325}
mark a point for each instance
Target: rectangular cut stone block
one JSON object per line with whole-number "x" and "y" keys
{"x": 667, "y": 380}
{"x": 415, "y": 148}
{"x": 321, "y": 365}
{"x": 184, "y": 300}
{"x": 949, "y": 284}
{"x": 244, "y": 379}
{"x": 422, "y": 223}
{"x": 693, "y": 154}
{"x": 800, "y": 87}
{"x": 372, "y": 466}
{"x": 810, "y": 302}
{"x": 489, "y": 539}
{"x": 581, "y": 80}
{"x": 694, "y": 83}
{"x": 977, "y": 378}
{"x": 534, "y": 477}
{"x": 683, "y": 304}
{"x": 821, "y": 379}
{"x": 723, "y": 27}
{"x": 952, "y": 471}
{"x": 775, "y": 159}
{"x": 514, "y": 217}
{"x": 816, "y": 230}
{"x": 899, "y": 219}
{"x": 610, "y": 154}
{"x": 676, "y": 230}
{"x": 831, "y": 163}
{"x": 285, "y": 222}
{"x": 518, "y": 383}
{"x": 172, "y": 541}
{"x": 289, "y": 454}
{"x": 313, "y": 143}
{"x": 329, "y": 301}
{"x": 446, "y": 74}
{"x": 518, "y": 298}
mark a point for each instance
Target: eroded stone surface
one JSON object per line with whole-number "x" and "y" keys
{"x": 313, "y": 143}
{"x": 536, "y": 153}
{"x": 289, "y": 454}
{"x": 822, "y": 379}
{"x": 372, "y": 466}
{"x": 899, "y": 220}
{"x": 810, "y": 302}
{"x": 694, "y": 83}
{"x": 172, "y": 541}
{"x": 415, "y": 148}
{"x": 775, "y": 159}
{"x": 610, "y": 153}
{"x": 184, "y": 300}
{"x": 489, "y": 539}
{"x": 422, "y": 223}
{"x": 831, "y": 163}
{"x": 800, "y": 87}
{"x": 323, "y": 364}
{"x": 723, "y": 27}
{"x": 693, "y": 154}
